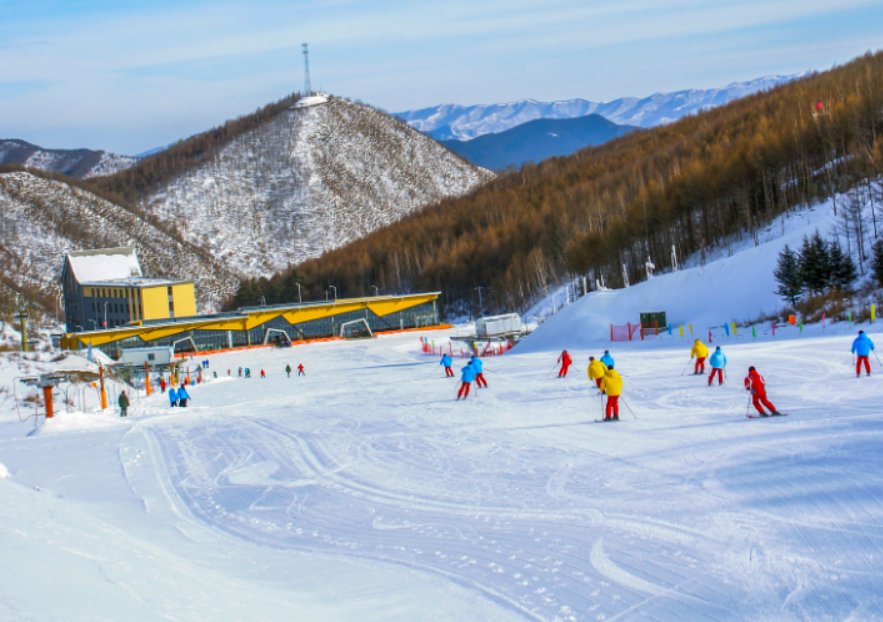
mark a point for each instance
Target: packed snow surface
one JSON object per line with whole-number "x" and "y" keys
{"x": 365, "y": 491}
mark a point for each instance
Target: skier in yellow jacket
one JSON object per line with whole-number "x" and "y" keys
{"x": 700, "y": 351}
{"x": 596, "y": 370}
{"x": 611, "y": 384}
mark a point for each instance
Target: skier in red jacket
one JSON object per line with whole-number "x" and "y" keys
{"x": 565, "y": 361}
{"x": 755, "y": 383}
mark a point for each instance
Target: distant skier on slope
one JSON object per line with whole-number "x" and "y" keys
{"x": 611, "y": 384}
{"x": 862, "y": 347}
{"x": 447, "y": 361}
{"x": 596, "y": 371}
{"x": 607, "y": 359}
{"x": 467, "y": 375}
{"x": 173, "y": 397}
{"x": 123, "y": 401}
{"x": 700, "y": 351}
{"x": 288, "y": 369}
{"x": 718, "y": 362}
{"x": 263, "y": 375}
{"x": 300, "y": 370}
{"x": 162, "y": 384}
{"x": 478, "y": 366}
{"x": 755, "y": 383}
{"x": 183, "y": 396}
{"x": 565, "y": 361}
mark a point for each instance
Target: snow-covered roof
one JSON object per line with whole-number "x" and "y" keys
{"x": 138, "y": 281}
{"x": 104, "y": 264}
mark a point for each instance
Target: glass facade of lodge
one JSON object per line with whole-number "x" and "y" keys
{"x": 419, "y": 316}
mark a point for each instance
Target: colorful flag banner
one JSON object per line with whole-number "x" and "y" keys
{"x": 727, "y": 328}
{"x": 753, "y": 332}
{"x": 734, "y": 329}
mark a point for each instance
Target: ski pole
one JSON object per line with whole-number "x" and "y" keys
{"x": 748, "y": 405}
{"x": 876, "y": 357}
{"x": 687, "y": 365}
{"x": 629, "y": 407}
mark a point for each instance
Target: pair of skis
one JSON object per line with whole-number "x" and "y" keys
{"x": 767, "y": 416}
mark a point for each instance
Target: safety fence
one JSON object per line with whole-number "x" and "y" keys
{"x": 490, "y": 349}
{"x": 631, "y": 332}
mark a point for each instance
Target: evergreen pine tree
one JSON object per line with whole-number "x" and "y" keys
{"x": 843, "y": 273}
{"x": 815, "y": 268}
{"x": 877, "y": 264}
{"x": 788, "y": 275}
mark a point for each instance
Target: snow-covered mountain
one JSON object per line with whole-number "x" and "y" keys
{"x": 309, "y": 180}
{"x": 306, "y": 181}
{"x": 43, "y": 220}
{"x": 76, "y": 163}
{"x": 452, "y": 121}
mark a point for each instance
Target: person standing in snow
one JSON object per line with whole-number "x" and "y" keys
{"x": 183, "y": 396}
{"x": 611, "y": 384}
{"x": 124, "y": 404}
{"x": 447, "y": 361}
{"x": 173, "y": 397}
{"x": 862, "y": 347}
{"x": 477, "y": 365}
{"x": 565, "y": 361}
{"x": 288, "y": 369}
{"x": 596, "y": 371}
{"x": 700, "y": 351}
{"x": 300, "y": 370}
{"x": 755, "y": 383}
{"x": 467, "y": 375}
{"x": 240, "y": 372}
{"x": 263, "y": 375}
{"x": 718, "y": 362}
{"x": 162, "y": 384}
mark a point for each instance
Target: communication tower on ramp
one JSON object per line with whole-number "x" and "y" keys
{"x": 308, "y": 87}
{"x": 310, "y": 97}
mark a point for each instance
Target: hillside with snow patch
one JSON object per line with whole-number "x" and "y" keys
{"x": 308, "y": 181}
{"x": 735, "y": 284}
{"x": 76, "y": 163}
{"x": 43, "y": 220}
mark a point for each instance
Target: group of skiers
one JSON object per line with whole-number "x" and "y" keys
{"x": 473, "y": 371}
{"x": 603, "y": 373}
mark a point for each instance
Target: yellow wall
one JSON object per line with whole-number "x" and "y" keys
{"x": 155, "y": 301}
{"x": 185, "y": 299}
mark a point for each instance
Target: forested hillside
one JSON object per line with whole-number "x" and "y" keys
{"x": 691, "y": 184}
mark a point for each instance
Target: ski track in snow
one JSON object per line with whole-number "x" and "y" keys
{"x": 691, "y": 511}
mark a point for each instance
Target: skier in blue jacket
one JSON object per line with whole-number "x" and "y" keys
{"x": 479, "y": 376}
{"x": 447, "y": 361}
{"x": 862, "y": 347}
{"x": 183, "y": 396}
{"x": 607, "y": 359}
{"x": 467, "y": 375}
{"x": 718, "y": 362}
{"x": 173, "y": 397}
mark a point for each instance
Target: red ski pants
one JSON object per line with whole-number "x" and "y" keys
{"x": 480, "y": 381}
{"x": 464, "y": 390}
{"x": 858, "y": 364}
{"x": 598, "y": 382}
{"x": 612, "y": 405}
{"x": 563, "y": 371}
{"x": 700, "y": 364}
{"x": 449, "y": 372}
{"x": 720, "y": 375}
{"x": 761, "y": 399}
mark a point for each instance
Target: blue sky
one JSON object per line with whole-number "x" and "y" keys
{"x": 127, "y": 76}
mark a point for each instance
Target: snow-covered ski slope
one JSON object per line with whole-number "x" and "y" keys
{"x": 736, "y": 283}
{"x": 365, "y": 491}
